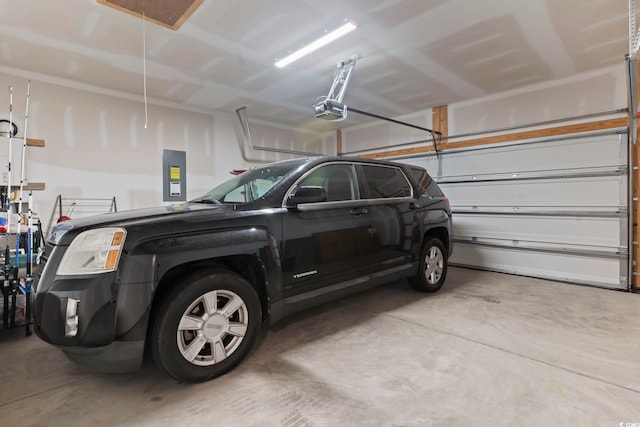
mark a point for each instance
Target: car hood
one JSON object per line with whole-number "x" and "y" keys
{"x": 146, "y": 213}
{"x": 137, "y": 216}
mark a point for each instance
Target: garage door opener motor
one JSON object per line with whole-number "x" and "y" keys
{"x": 330, "y": 107}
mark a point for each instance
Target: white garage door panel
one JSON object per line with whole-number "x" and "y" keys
{"x": 555, "y": 209}
{"x": 583, "y": 192}
{"x": 604, "y": 232}
{"x": 584, "y": 153}
{"x": 570, "y": 268}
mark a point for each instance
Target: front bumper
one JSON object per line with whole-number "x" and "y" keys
{"x": 110, "y": 319}
{"x": 96, "y": 310}
{"x": 117, "y": 357}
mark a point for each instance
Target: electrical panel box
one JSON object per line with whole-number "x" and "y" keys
{"x": 174, "y": 176}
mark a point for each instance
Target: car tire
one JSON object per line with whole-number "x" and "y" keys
{"x": 432, "y": 269}
{"x": 206, "y": 326}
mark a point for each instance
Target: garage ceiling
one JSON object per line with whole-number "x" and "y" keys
{"x": 416, "y": 54}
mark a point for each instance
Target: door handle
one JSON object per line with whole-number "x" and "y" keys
{"x": 358, "y": 211}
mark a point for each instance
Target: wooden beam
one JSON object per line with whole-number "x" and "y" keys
{"x": 510, "y": 137}
{"x": 400, "y": 152}
{"x": 544, "y": 133}
{"x": 339, "y": 141}
{"x": 187, "y": 14}
{"x": 34, "y": 186}
{"x": 32, "y": 142}
{"x": 30, "y": 186}
{"x": 441, "y": 120}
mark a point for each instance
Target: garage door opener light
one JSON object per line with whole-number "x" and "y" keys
{"x": 316, "y": 44}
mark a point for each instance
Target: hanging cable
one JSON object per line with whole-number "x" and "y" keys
{"x": 144, "y": 71}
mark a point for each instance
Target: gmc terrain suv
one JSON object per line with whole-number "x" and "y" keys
{"x": 197, "y": 284}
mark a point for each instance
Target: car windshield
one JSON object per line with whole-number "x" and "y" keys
{"x": 250, "y": 185}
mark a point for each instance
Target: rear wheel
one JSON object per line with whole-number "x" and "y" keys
{"x": 206, "y": 326}
{"x": 432, "y": 269}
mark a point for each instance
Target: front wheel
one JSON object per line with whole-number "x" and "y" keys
{"x": 206, "y": 326}
{"x": 432, "y": 269}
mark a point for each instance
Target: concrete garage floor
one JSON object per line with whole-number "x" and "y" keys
{"x": 488, "y": 350}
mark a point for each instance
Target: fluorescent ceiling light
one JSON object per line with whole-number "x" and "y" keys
{"x": 317, "y": 44}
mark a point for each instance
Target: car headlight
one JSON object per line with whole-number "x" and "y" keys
{"x": 93, "y": 251}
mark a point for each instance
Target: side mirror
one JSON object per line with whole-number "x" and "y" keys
{"x": 307, "y": 194}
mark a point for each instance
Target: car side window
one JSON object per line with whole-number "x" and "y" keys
{"x": 386, "y": 182}
{"x": 338, "y": 180}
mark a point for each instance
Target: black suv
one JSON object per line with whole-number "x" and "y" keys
{"x": 196, "y": 284}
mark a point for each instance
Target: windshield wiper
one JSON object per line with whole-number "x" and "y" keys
{"x": 206, "y": 201}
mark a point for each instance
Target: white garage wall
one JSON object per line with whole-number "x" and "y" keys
{"x": 587, "y": 93}
{"x": 377, "y": 134}
{"x": 266, "y": 136}
{"x": 96, "y": 145}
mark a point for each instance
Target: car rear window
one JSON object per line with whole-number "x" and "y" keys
{"x": 386, "y": 181}
{"x": 422, "y": 177}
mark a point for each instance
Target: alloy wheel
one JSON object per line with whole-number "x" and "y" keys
{"x": 433, "y": 265}
{"x": 212, "y": 327}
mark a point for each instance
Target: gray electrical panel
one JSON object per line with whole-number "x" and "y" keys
{"x": 174, "y": 176}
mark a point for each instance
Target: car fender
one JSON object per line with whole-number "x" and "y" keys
{"x": 149, "y": 261}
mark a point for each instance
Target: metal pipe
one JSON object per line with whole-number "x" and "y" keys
{"x": 632, "y": 79}
{"x": 105, "y": 199}
{"x": 7, "y": 259}
{"x": 246, "y": 133}
{"x": 22, "y": 172}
